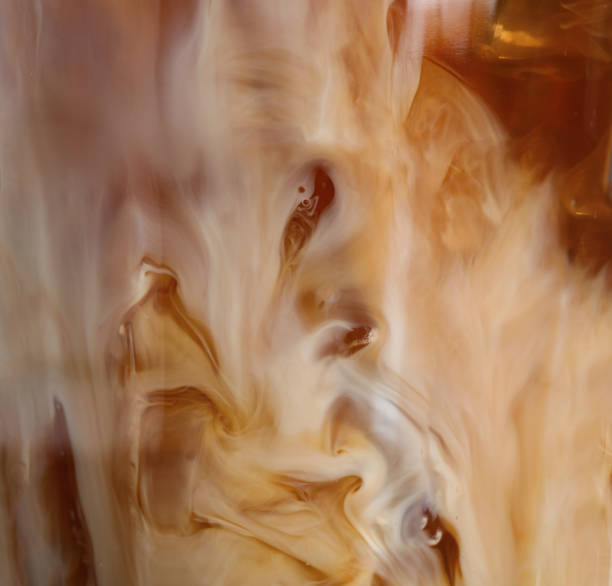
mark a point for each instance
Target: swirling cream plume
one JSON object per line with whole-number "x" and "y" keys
{"x": 278, "y": 307}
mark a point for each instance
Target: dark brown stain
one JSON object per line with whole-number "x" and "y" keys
{"x": 306, "y": 216}
{"x": 356, "y": 339}
{"x": 447, "y": 546}
{"x": 12, "y": 488}
{"x": 350, "y": 343}
{"x": 396, "y": 16}
{"x": 69, "y": 533}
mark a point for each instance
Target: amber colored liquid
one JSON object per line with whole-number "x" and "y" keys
{"x": 545, "y": 69}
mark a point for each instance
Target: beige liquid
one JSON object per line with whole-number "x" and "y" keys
{"x": 283, "y": 299}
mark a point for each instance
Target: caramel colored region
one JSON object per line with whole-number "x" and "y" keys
{"x": 544, "y": 68}
{"x": 312, "y": 292}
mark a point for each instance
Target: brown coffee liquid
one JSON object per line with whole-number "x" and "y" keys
{"x": 545, "y": 69}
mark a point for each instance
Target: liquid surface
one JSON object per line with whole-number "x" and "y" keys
{"x": 305, "y": 293}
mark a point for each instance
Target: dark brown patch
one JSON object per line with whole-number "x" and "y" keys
{"x": 10, "y": 488}
{"x": 69, "y": 534}
{"x": 306, "y": 216}
{"x": 447, "y": 546}
{"x": 396, "y": 16}
{"x": 350, "y": 343}
{"x": 356, "y": 339}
